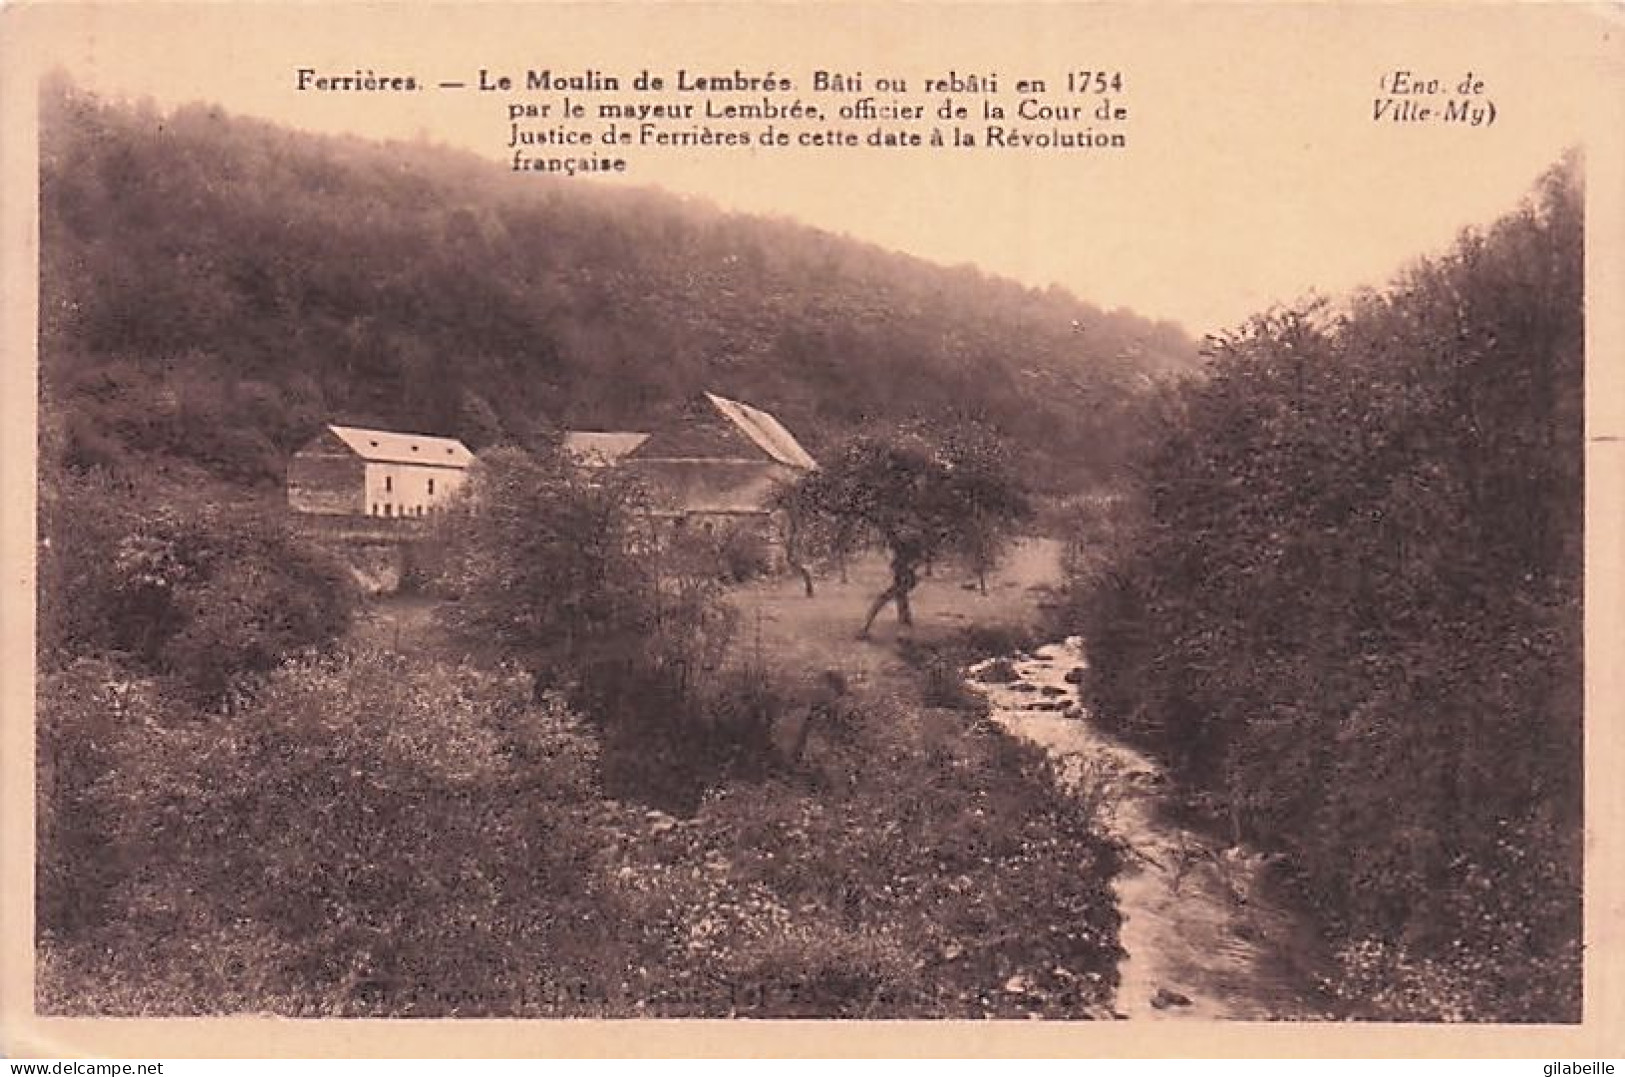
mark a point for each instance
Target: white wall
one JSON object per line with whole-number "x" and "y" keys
{"x": 409, "y": 489}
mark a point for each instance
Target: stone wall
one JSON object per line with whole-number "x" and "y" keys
{"x": 326, "y": 485}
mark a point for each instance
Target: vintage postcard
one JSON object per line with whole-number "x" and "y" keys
{"x": 812, "y": 529}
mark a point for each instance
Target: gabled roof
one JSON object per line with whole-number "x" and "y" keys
{"x": 392, "y": 447}
{"x": 591, "y": 448}
{"x": 765, "y": 431}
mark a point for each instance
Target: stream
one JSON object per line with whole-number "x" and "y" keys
{"x": 1204, "y": 939}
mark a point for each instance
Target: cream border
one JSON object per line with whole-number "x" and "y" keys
{"x": 28, "y": 35}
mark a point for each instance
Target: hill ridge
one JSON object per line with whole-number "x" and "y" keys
{"x": 214, "y": 288}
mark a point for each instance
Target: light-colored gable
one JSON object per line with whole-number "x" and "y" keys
{"x": 391, "y": 447}
{"x": 591, "y": 448}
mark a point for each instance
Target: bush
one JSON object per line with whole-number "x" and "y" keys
{"x": 915, "y": 868}
{"x": 979, "y": 641}
{"x": 742, "y": 554}
{"x": 82, "y": 521}
{"x": 211, "y": 595}
{"x": 942, "y": 684}
{"x": 369, "y": 836}
{"x": 560, "y": 576}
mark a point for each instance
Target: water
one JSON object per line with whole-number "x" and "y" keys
{"x": 1204, "y": 939}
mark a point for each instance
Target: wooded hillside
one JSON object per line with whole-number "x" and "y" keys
{"x": 214, "y": 288}
{"x": 1349, "y": 611}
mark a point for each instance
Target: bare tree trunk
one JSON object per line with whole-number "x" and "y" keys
{"x": 806, "y": 576}
{"x": 874, "y": 610}
{"x": 792, "y": 553}
{"x": 904, "y": 578}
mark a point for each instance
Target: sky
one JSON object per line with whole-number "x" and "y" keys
{"x": 1254, "y": 173}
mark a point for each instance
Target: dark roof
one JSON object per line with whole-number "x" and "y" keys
{"x": 697, "y": 438}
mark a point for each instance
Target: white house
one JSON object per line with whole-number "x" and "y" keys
{"x": 355, "y": 471}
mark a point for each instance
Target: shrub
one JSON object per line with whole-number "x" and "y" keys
{"x": 738, "y": 553}
{"x": 911, "y": 871}
{"x": 78, "y": 531}
{"x": 1000, "y": 671}
{"x": 209, "y": 594}
{"x": 560, "y": 576}
{"x": 979, "y": 641}
{"x": 374, "y": 837}
{"x": 943, "y": 685}
{"x": 942, "y": 680}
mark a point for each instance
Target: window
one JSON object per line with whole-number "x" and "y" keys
{"x": 431, "y": 487}
{"x": 389, "y": 510}
{"x": 389, "y": 484}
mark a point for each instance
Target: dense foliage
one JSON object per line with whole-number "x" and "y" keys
{"x": 213, "y": 289}
{"x": 560, "y": 574}
{"x": 380, "y": 834}
{"x": 1346, "y": 604}
{"x": 365, "y": 829}
{"x": 208, "y": 596}
{"x": 543, "y": 564}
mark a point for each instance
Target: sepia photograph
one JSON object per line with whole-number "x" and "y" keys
{"x": 1070, "y": 515}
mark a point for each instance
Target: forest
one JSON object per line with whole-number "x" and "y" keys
{"x": 215, "y": 288}
{"x": 1342, "y": 598}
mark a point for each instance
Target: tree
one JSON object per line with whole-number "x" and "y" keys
{"x": 542, "y": 564}
{"x": 809, "y": 532}
{"x": 564, "y": 575}
{"x": 561, "y": 573}
{"x": 983, "y": 467}
{"x": 919, "y": 498}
